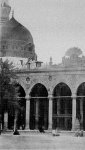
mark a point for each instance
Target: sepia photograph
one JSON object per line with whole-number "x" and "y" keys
{"x": 42, "y": 74}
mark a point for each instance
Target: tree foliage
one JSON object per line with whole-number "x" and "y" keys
{"x": 8, "y": 92}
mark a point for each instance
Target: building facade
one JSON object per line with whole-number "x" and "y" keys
{"x": 55, "y": 94}
{"x": 52, "y": 96}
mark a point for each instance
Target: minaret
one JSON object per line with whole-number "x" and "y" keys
{"x": 4, "y": 17}
{"x": 51, "y": 62}
{"x": 4, "y": 11}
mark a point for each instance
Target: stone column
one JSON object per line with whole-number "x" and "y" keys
{"x": 58, "y": 112}
{"x": 58, "y": 106}
{"x": 27, "y": 113}
{"x": 5, "y": 120}
{"x": 66, "y": 113}
{"x": 81, "y": 113}
{"x": 73, "y": 111}
{"x": 37, "y": 113}
{"x": 50, "y": 112}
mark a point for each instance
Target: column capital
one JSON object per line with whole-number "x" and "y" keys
{"x": 28, "y": 98}
{"x": 73, "y": 95}
{"x": 50, "y": 97}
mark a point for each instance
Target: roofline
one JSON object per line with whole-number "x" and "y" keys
{"x": 51, "y": 71}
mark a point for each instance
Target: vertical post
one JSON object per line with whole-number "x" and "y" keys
{"x": 0, "y": 116}
{"x": 50, "y": 112}
{"x": 15, "y": 120}
{"x": 37, "y": 113}
{"x": 73, "y": 111}
{"x": 81, "y": 113}
{"x": 66, "y": 112}
{"x": 58, "y": 112}
{"x": 27, "y": 113}
{"x": 58, "y": 106}
{"x": 0, "y": 123}
{"x": 5, "y": 120}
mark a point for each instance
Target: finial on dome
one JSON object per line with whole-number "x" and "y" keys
{"x": 12, "y": 13}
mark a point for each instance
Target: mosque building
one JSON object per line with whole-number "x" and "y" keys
{"x": 52, "y": 96}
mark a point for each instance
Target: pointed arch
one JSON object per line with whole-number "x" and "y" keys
{"x": 60, "y": 89}
{"x": 39, "y": 107}
{"x": 39, "y": 90}
{"x": 62, "y": 107}
{"x": 80, "y": 105}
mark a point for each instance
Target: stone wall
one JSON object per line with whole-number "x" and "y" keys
{"x": 73, "y": 78}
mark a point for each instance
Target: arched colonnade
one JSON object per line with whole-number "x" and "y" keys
{"x": 56, "y": 109}
{"x": 62, "y": 106}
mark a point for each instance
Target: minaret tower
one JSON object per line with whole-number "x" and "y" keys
{"x": 4, "y": 17}
{"x": 4, "y": 11}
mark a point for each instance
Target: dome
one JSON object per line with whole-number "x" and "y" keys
{"x": 73, "y": 51}
{"x": 14, "y": 30}
{"x": 16, "y": 40}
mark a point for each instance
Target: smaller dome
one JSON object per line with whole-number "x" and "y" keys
{"x": 73, "y": 51}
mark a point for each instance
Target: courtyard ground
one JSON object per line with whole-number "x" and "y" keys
{"x": 37, "y": 141}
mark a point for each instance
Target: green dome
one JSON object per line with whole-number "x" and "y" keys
{"x": 15, "y": 31}
{"x": 16, "y": 40}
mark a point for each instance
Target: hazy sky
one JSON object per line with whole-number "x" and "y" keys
{"x": 56, "y": 25}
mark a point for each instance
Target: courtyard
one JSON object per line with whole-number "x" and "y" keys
{"x": 40, "y": 141}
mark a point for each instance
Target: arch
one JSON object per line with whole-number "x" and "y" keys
{"x": 21, "y": 120}
{"x": 39, "y": 107}
{"x": 61, "y": 89}
{"x": 80, "y": 105}
{"x": 65, "y": 81}
{"x": 62, "y": 107}
{"x": 81, "y": 89}
{"x": 33, "y": 84}
{"x": 20, "y": 89}
{"x": 21, "y": 83}
{"x": 39, "y": 87}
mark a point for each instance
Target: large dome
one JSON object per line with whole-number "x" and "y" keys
{"x": 16, "y": 40}
{"x": 14, "y": 30}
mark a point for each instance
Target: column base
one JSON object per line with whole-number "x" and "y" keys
{"x": 27, "y": 128}
{"x": 50, "y": 129}
{"x": 73, "y": 129}
{"x": 5, "y": 126}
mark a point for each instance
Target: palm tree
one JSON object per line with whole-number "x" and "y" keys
{"x": 8, "y": 92}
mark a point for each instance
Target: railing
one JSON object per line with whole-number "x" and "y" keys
{"x": 62, "y": 116}
{"x": 53, "y": 97}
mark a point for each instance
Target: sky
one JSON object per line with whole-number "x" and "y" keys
{"x": 56, "y": 25}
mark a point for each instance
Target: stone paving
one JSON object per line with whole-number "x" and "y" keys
{"x": 32, "y": 141}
